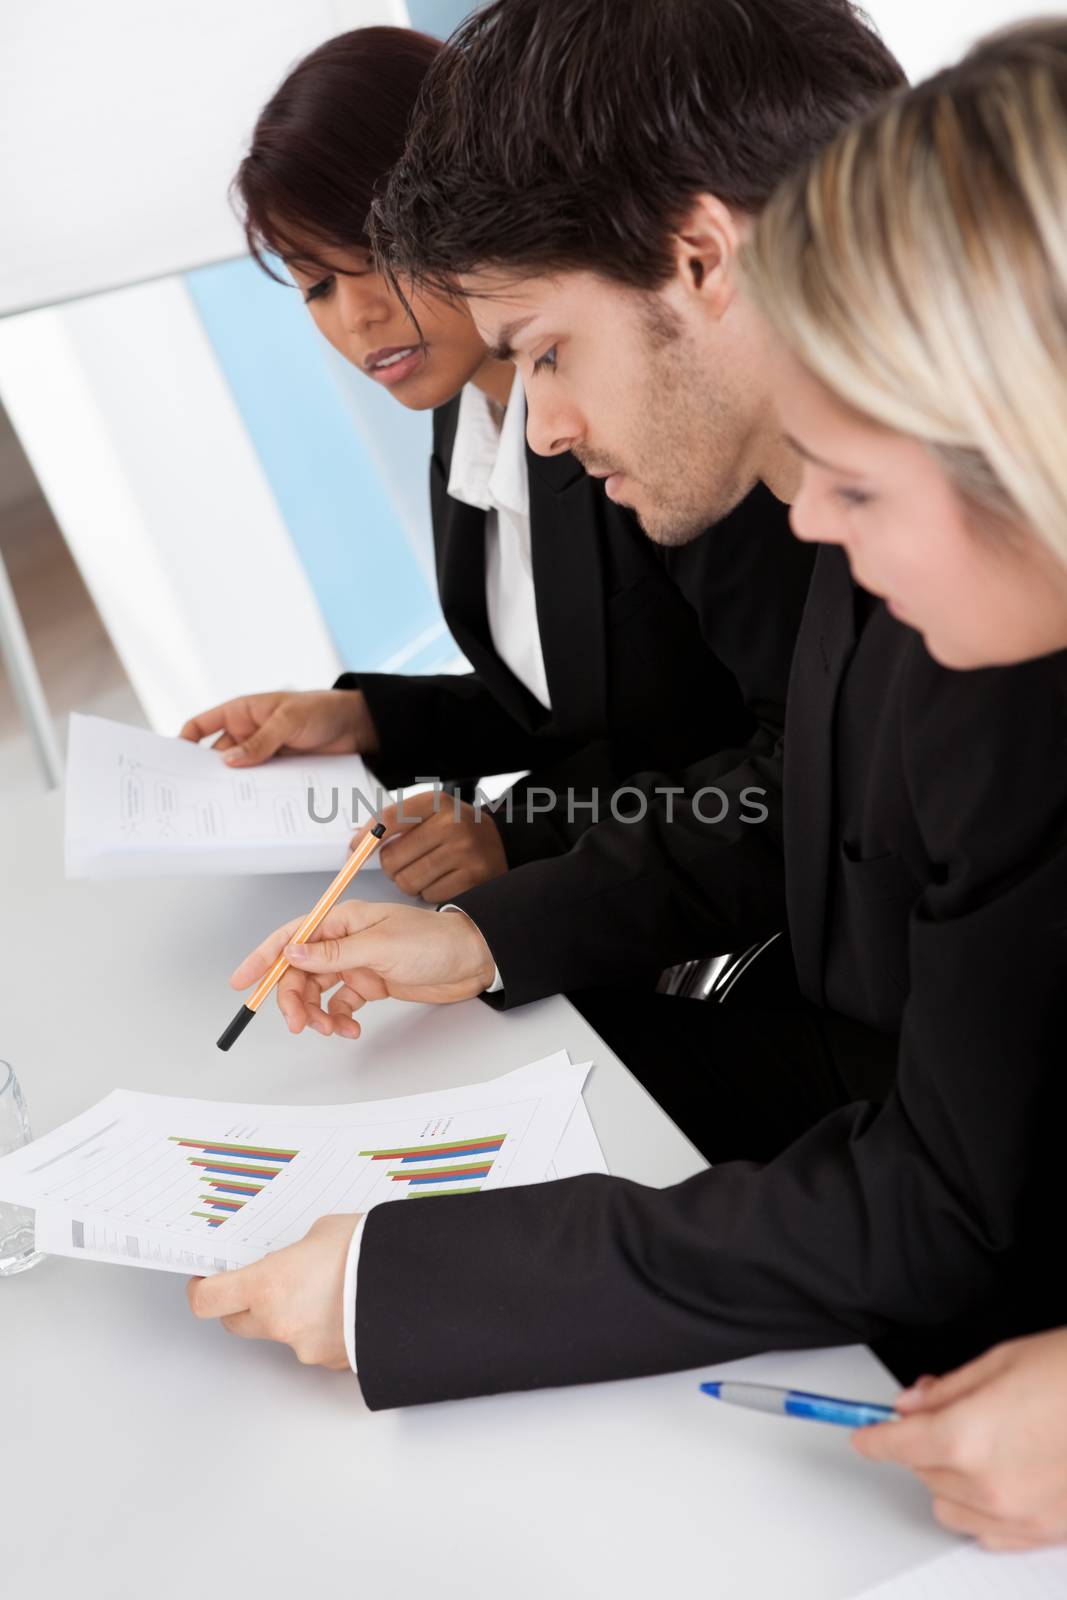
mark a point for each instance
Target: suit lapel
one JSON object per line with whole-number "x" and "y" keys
{"x": 824, "y": 646}
{"x": 568, "y": 568}
{"x": 460, "y": 547}
{"x": 459, "y": 540}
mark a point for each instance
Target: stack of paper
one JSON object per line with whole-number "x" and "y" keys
{"x": 139, "y": 803}
{"x": 200, "y": 1186}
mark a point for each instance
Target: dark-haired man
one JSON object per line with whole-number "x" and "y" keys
{"x": 630, "y": 141}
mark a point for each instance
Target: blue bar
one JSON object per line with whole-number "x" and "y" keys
{"x": 475, "y": 1150}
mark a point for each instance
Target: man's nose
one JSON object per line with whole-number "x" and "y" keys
{"x": 552, "y": 427}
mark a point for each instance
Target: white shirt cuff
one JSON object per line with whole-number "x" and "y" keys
{"x": 351, "y": 1271}
{"x": 498, "y": 983}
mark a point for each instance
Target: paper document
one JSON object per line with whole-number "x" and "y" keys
{"x": 138, "y": 803}
{"x": 202, "y": 1186}
{"x": 974, "y": 1574}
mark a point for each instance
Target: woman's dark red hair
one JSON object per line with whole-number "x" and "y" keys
{"x": 327, "y": 139}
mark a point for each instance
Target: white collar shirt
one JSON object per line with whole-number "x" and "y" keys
{"x": 489, "y": 472}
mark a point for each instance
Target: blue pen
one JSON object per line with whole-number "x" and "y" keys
{"x": 797, "y": 1403}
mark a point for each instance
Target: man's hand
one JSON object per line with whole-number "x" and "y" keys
{"x": 990, "y": 1443}
{"x": 295, "y": 1296}
{"x": 439, "y": 846}
{"x": 373, "y": 952}
{"x": 257, "y": 726}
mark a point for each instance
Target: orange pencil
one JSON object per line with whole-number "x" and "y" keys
{"x": 329, "y": 899}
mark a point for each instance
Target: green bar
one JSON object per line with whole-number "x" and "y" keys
{"x": 221, "y": 1144}
{"x": 428, "y": 1194}
{"x": 208, "y": 1216}
{"x": 440, "y": 1172}
{"x": 436, "y": 1144}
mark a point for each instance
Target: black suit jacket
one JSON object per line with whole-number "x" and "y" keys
{"x": 652, "y": 657}
{"x": 926, "y": 880}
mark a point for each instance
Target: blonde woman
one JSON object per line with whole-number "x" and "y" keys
{"x": 917, "y": 272}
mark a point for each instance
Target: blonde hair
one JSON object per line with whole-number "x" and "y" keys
{"x": 918, "y": 268}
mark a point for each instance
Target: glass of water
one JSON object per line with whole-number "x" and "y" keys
{"x": 16, "y": 1223}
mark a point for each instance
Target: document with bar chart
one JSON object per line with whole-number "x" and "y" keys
{"x": 202, "y": 1186}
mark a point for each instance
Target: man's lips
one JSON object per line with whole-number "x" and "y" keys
{"x": 611, "y": 482}
{"x": 394, "y": 362}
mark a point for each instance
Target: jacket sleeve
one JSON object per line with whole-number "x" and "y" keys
{"x": 670, "y": 882}
{"x": 444, "y": 725}
{"x": 875, "y": 1220}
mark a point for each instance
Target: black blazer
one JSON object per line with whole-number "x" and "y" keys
{"x": 925, "y": 827}
{"x": 653, "y": 657}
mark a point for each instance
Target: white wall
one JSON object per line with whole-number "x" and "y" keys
{"x": 121, "y": 123}
{"x": 928, "y": 34}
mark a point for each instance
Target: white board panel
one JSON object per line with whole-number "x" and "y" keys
{"x": 121, "y": 125}
{"x": 138, "y": 446}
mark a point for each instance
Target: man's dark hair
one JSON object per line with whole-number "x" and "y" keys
{"x": 325, "y": 141}
{"x": 555, "y": 135}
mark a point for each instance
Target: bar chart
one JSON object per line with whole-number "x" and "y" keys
{"x": 233, "y": 1174}
{"x": 119, "y": 1183}
{"x": 442, "y": 1167}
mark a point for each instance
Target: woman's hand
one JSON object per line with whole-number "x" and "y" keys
{"x": 255, "y": 727}
{"x": 438, "y": 846}
{"x": 990, "y": 1443}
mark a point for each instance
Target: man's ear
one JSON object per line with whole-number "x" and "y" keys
{"x": 706, "y": 247}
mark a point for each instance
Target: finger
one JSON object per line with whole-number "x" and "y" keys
{"x": 402, "y": 851}
{"x": 344, "y": 939}
{"x": 263, "y": 742}
{"x": 910, "y": 1442}
{"x": 211, "y": 721}
{"x": 290, "y": 999}
{"x": 448, "y": 887}
{"x": 221, "y": 1295}
{"x": 225, "y": 741}
{"x": 1000, "y": 1534}
{"x": 398, "y": 818}
{"x": 245, "y": 1324}
{"x": 367, "y": 984}
{"x": 929, "y": 1394}
{"x": 315, "y": 1014}
{"x": 412, "y": 809}
{"x": 346, "y": 1000}
{"x": 911, "y": 1399}
{"x": 343, "y": 1003}
{"x": 945, "y": 1484}
{"x": 431, "y": 866}
{"x": 257, "y": 964}
{"x": 300, "y": 999}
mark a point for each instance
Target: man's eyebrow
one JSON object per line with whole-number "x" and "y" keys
{"x": 502, "y": 350}
{"x": 818, "y": 461}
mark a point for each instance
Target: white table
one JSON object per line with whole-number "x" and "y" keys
{"x": 145, "y": 1456}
